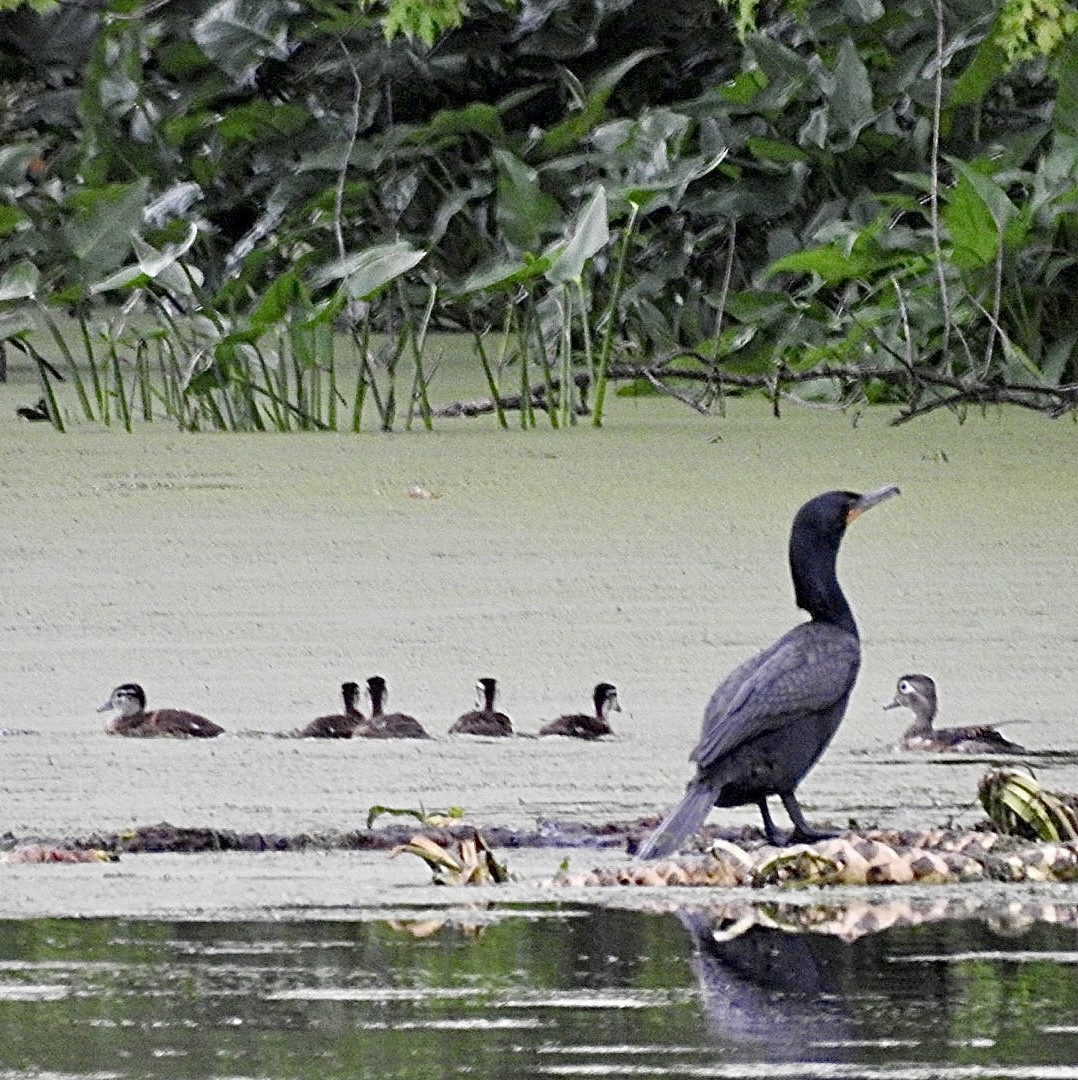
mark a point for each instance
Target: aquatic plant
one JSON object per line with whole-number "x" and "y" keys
{"x": 469, "y": 861}
{"x": 1018, "y": 805}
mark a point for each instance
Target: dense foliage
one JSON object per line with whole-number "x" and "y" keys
{"x": 871, "y": 200}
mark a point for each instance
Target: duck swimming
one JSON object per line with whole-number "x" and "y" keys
{"x": 583, "y": 726}
{"x": 129, "y": 700}
{"x": 918, "y": 694}
{"x": 339, "y": 725}
{"x": 383, "y": 725}
{"x": 484, "y": 719}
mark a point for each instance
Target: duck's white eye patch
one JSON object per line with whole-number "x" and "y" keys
{"x": 905, "y": 687}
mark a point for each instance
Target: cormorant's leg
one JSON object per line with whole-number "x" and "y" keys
{"x": 803, "y": 832}
{"x": 774, "y": 837}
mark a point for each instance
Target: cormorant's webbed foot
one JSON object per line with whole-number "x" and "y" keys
{"x": 803, "y": 832}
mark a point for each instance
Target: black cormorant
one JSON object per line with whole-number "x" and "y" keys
{"x": 484, "y": 719}
{"x": 918, "y": 694}
{"x": 581, "y": 725}
{"x": 770, "y": 719}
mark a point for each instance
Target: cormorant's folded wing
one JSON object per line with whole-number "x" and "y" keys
{"x": 806, "y": 671}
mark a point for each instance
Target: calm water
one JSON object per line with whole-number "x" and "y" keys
{"x": 575, "y": 992}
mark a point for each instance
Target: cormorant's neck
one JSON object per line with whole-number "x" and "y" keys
{"x": 817, "y": 590}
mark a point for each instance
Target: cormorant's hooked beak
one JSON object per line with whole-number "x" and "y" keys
{"x": 869, "y": 500}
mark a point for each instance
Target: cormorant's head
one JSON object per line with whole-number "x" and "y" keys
{"x": 827, "y": 516}
{"x": 817, "y": 532}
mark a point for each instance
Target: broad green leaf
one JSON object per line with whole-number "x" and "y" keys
{"x": 368, "y": 271}
{"x": 283, "y": 295}
{"x": 570, "y": 133}
{"x": 979, "y": 217}
{"x": 504, "y": 274}
{"x": 590, "y": 236}
{"x": 988, "y": 66}
{"x": 478, "y": 119}
{"x": 774, "y": 150}
{"x": 524, "y": 212}
{"x": 127, "y": 277}
{"x": 851, "y": 102}
{"x": 19, "y": 281}
{"x": 238, "y": 35}
{"x": 831, "y": 262}
{"x": 105, "y": 219}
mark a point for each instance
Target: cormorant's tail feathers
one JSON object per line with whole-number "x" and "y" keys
{"x": 684, "y": 820}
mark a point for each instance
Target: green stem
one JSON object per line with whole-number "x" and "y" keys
{"x": 612, "y": 318}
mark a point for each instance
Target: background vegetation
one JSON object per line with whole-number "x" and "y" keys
{"x": 857, "y": 202}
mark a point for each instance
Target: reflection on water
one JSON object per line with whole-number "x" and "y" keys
{"x": 562, "y": 991}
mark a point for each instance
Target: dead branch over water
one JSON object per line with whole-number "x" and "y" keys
{"x": 923, "y": 391}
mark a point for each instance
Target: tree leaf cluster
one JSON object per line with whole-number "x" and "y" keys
{"x": 762, "y": 193}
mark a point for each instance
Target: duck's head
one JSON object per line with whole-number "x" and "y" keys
{"x": 606, "y": 699}
{"x": 127, "y": 699}
{"x": 486, "y": 690}
{"x": 350, "y": 693}
{"x": 917, "y": 693}
{"x": 377, "y": 693}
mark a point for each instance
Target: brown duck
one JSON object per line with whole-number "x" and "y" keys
{"x": 484, "y": 719}
{"x": 583, "y": 726}
{"x": 918, "y": 694}
{"x": 338, "y": 725}
{"x": 129, "y": 700}
{"x": 383, "y": 725}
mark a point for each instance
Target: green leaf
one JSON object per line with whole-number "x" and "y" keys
{"x": 475, "y": 119}
{"x": 571, "y": 132}
{"x": 988, "y": 66}
{"x": 524, "y": 212}
{"x": 105, "y": 219}
{"x": 831, "y": 262}
{"x": 238, "y": 35}
{"x": 19, "y": 281}
{"x": 591, "y": 235}
{"x": 504, "y": 274}
{"x": 277, "y": 302}
{"x": 979, "y": 217}
{"x": 851, "y": 102}
{"x": 368, "y": 271}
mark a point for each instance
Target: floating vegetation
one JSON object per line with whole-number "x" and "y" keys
{"x": 436, "y": 819}
{"x": 468, "y": 861}
{"x": 1019, "y": 806}
{"x": 934, "y": 858}
{"x": 44, "y": 853}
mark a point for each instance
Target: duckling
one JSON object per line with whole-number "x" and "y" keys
{"x": 339, "y": 725}
{"x": 129, "y": 700}
{"x": 484, "y": 719}
{"x": 918, "y": 694}
{"x": 582, "y": 726}
{"x": 383, "y": 725}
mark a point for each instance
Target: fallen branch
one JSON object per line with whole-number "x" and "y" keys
{"x": 923, "y": 391}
